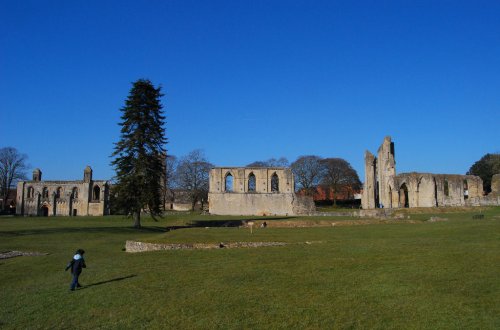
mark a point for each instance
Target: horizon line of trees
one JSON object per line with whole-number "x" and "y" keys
{"x": 190, "y": 173}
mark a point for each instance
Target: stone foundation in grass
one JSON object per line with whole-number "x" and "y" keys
{"x": 12, "y": 254}
{"x": 132, "y": 246}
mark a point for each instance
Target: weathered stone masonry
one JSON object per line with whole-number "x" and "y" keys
{"x": 383, "y": 188}
{"x": 255, "y": 191}
{"x": 58, "y": 198}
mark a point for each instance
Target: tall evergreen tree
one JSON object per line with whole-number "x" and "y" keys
{"x": 139, "y": 155}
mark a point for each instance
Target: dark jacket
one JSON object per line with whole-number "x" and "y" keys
{"x": 76, "y": 264}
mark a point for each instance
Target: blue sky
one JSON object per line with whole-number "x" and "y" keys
{"x": 251, "y": 80}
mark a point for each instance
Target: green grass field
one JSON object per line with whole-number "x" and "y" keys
{"x": 419, "y": 275}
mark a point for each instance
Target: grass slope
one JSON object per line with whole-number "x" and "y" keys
{"x": 422, "y": 275}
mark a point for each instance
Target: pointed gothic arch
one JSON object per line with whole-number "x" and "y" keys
{"x": 252, "y": 182}
{"x": 96, "y": 193}
{"x": 59, "y": 192}
{"x": 228, "y": 182}
{"x": 31, "y": 192}
{"x": 403, "y": 196}
{"x": 275, "y": 183}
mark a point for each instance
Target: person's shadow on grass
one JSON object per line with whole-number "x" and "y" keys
{"x": 108, "y": 281}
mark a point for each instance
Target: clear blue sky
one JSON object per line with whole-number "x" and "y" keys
{"x": 251, "y": 80}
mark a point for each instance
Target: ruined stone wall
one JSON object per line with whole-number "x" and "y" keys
{"x": 180, "y": 200}
{"x": 386, "y": 171}
{"x": 416, "y": 189}
{"x": 429, "y": 190}
{"x": 263, "y": 178}
{"x": 420, "y": 190}
{"x": 250, "y": 204}
{"x": 425, "y": 191}
{"x": 241, "y": 199}
{"x": 495, "y": 185}
{"x": 475, "y": 186}
{"x": 303, "y": 205}
{"x": 60, "y": 199}
{"x": 489, "y": 200}
{"x": 368, "y": 198}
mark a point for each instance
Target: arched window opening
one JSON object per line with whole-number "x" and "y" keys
{"x": 96, "y": 193}
{"x": 275, "y": 183}
{"x": 31, "y": 192}
{"x": 403, "y": 196}
{"x": 229, "y": 183}
{"x": 466, "y": 190}
{"x": 74, "y": 192}
{"x": 59, "y": 192}
{"x": 446, "y": 188}
{"x": 251, "y": 182}
{"x": 45, "y": 192}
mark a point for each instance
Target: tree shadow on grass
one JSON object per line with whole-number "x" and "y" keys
{"x": 68, "y": 230}
{"x": 148, "y": 229}
{"x": 108, "y": 281}
{"x": 224, "y": 223}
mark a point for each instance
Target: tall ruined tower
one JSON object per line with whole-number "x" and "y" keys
{"x": 369, "y": 200}
{"x": 37, "y": 175}
{"x": 380, "y": 175}
{"x": 87, "y": 174}
{"x": 386, "y": 171}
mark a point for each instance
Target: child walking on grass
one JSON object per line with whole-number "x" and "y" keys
{"x": 76, "y": 264}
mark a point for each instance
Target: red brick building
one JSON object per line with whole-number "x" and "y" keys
{"x": 324, "y": 193}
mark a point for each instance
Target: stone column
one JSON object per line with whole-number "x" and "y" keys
{"x": 368, "y": 198}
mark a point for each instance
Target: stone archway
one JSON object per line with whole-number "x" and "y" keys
{"x": 403, "y": 196}
{"x": 45, "y": 211}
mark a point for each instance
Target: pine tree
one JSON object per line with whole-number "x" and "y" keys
{"x": 139, "y": 155}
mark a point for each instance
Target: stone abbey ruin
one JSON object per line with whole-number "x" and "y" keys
{"x": 383, "y": 188}
{"x": 269, "y": 191}
{"x": 255, "y": 191}
{"x": 53, "y": 198}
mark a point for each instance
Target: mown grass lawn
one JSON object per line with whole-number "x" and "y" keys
{"x": 441, "y": 275}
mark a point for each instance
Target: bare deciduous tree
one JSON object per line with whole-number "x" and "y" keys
{"x": 308, "y": 171}
{"x": 339, "y": 175}
{"x": 171, "y": 163}
{"x": 272, "y": 162}
{"x": 192, "y": 174}
{"x": 170, "y": 166}
{"x": 12, "y": 169}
